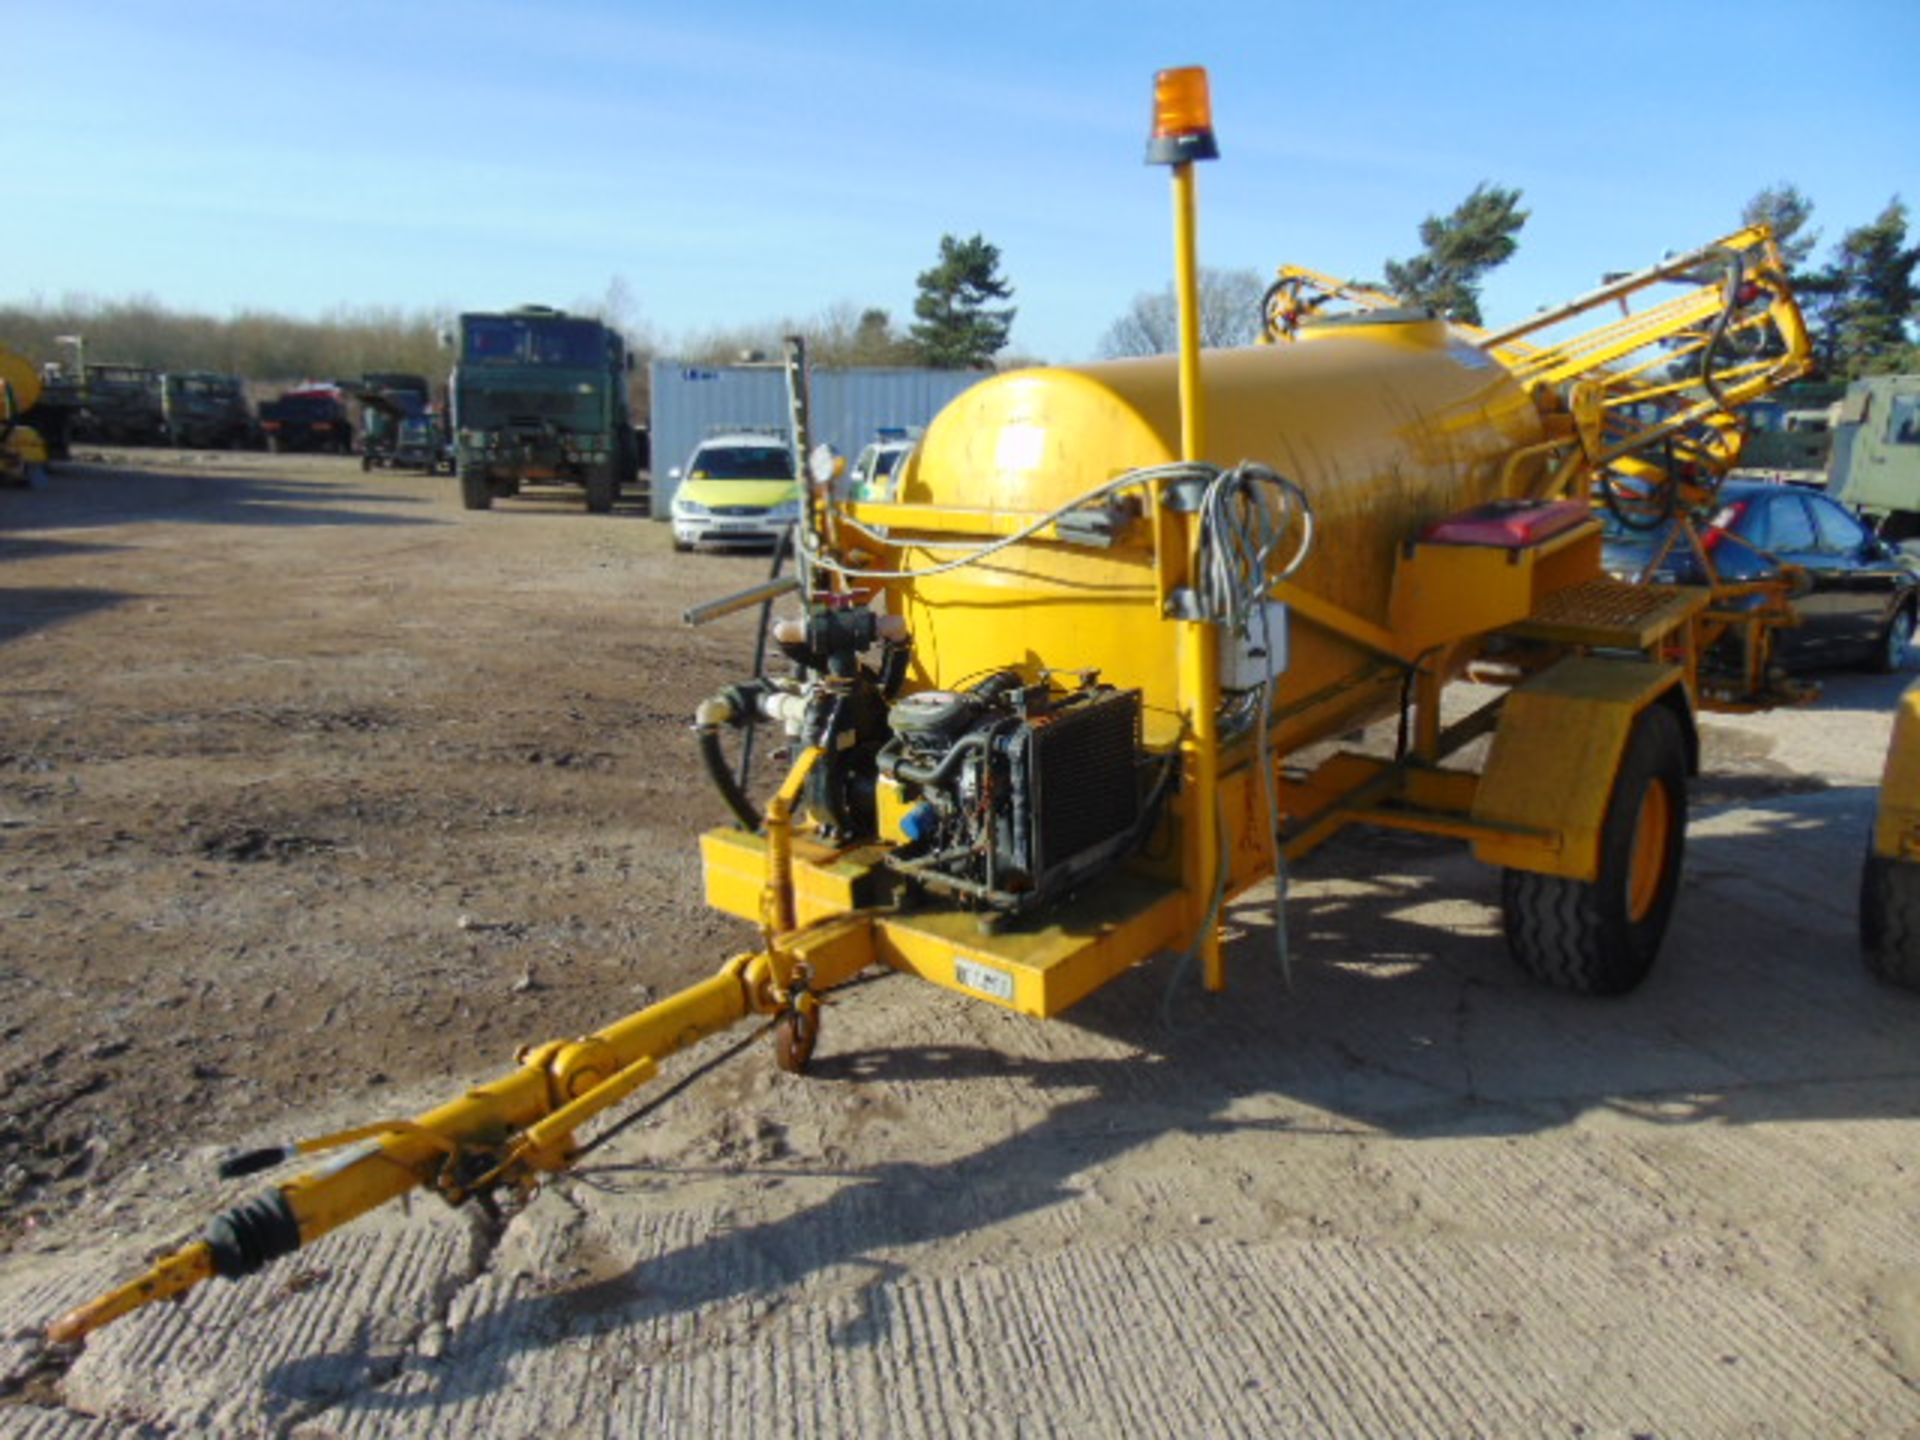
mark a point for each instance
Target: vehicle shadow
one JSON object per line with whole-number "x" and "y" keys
{"x": 25, "y": 609}
{"x": 1406, "y": 1019}
{"x": 1862, "y": 690}
{"x": 84, "y": 496}
{"x": 13, "y": 547}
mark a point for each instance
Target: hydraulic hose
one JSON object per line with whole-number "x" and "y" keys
{"x": 723, "y": 777}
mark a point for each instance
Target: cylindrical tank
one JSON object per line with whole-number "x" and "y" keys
{"x": 1387, "y": 424}
{"x": 19, "y": 376}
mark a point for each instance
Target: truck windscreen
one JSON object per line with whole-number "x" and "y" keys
{"x": 573, "y": 344}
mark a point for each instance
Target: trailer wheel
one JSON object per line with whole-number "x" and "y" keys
{"x": 475, "y": 493}
{"x": 1600, "y": 937}
{"x": 794, "y": 1036}
{"x": 1890, "y": 920}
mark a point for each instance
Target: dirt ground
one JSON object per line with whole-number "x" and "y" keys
{"x": 319, "y": 795}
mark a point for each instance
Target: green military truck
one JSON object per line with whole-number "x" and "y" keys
{"x": 1876, "y": 453}
{"x": 206, "y": 411}
{"x": 121, "y": 405}
{"x": 540, "y": 396}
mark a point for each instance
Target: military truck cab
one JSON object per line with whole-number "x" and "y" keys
{"x": 540, "y": 397}
{"x": 1876, "y": 454}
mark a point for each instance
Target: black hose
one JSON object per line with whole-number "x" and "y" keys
{"x": 936, "y": 776}
{"x": 723, "y": 779}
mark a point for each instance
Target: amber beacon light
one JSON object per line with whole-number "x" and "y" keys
{"x": 1182, "y": 118}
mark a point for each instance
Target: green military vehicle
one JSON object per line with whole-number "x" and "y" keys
{"x": 396, "y": 412}
{"x": 540, "y": 396}
{"x": 1876, "y": 453}
{"x": 206, "y": 411}
{"x": 121, "y": 405}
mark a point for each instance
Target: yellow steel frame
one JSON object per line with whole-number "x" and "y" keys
{"x": 1896, "y": 828}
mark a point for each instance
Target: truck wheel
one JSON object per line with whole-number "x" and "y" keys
{"x": 603, "y": 487}
{"x": 1600, "y": 937}
{"x": 475, "y": 493}
{"x": 1890, "y": 920}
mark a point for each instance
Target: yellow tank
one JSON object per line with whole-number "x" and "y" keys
{"x": 21, "y": 380}
{"x": 1386, "y": 424}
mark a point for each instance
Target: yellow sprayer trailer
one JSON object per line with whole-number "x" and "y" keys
{"x": 1047, "y": 698}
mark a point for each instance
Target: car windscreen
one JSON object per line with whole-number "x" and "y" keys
{"x": 742, "y": 462}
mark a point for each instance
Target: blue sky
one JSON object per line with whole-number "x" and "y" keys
{"x": 737, "y": 162}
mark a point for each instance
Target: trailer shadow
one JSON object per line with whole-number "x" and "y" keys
{"x": 1406, "y": 1019}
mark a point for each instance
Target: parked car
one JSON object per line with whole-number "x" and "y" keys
{"x": 872, "y": 475}
{"x": 1862, "y": 593}
{"x": 736, "y": 489}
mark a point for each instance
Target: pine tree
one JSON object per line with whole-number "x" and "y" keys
{"x": 1865, "y": 328}
{"x": 1786, "y": 212}
{"x": 1461, "y": 249}
{"x": 955, "y": 328}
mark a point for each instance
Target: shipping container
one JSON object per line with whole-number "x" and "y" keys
{"x": 691, "y": 402}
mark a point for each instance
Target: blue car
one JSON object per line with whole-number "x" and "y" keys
{"x": 1859, "y": 604}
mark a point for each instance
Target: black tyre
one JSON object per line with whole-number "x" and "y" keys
{"x": 475, "y": 493}
{"x": 1600, "y": 937}
{"x": 1890, "y": 651}
{"x": 603, "y": 487}
{"x": 1890, "y": 920}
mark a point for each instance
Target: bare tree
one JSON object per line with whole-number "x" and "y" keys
{"x": 1229, "y": 315}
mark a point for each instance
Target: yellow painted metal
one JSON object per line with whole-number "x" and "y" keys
{"x": 826, "y": 881}
{"x": 522, "y": 1122}
{"x": 1042, "y": 970}
{"x": 1647, "y": 862}
{"x": 1083, "y": 944}
{"x": 1186, "y": 284}
{"x": 1444, "y": 592}
{"x": 1554, "y": 758}
{"x": 1387, "y": 427}
{"x": 1612, "y": 614}
{"x": 20, "y": 445}
{"x": 1198, "y": 643}
{"x": 169, "y": 1277}
{"x": 19, "y": 384}
{"x": 776, "y": 905}
{"x": 1896, "y": 829}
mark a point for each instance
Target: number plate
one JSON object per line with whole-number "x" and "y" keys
{"x": 984, "y": 978}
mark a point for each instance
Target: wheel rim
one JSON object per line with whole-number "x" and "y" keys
{"x": 1648, "y": 866}
{"x": 1899, "y": 636}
